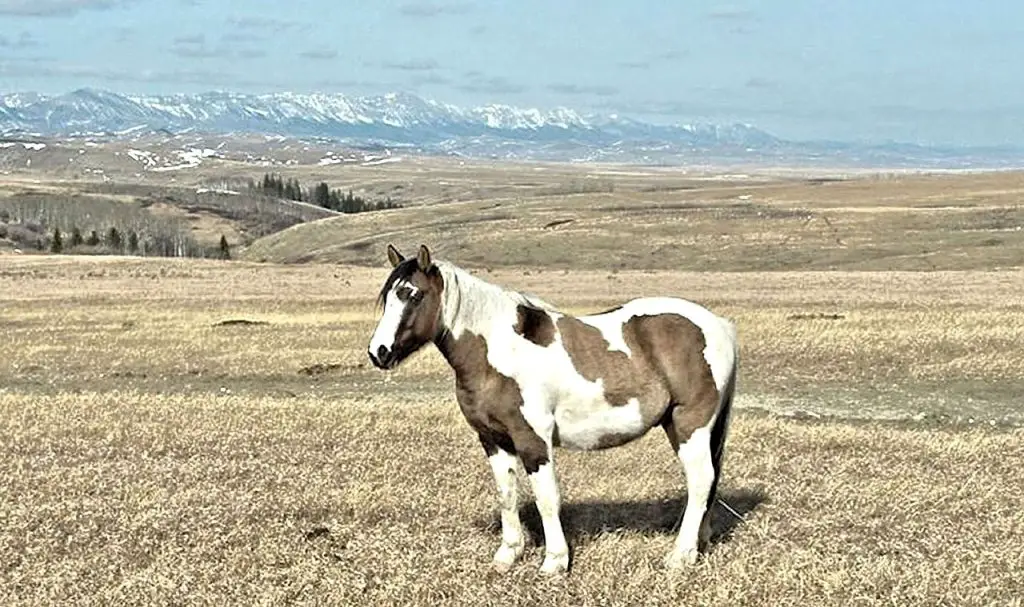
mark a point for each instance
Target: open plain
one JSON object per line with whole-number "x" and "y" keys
{"x": 211, "y": 432}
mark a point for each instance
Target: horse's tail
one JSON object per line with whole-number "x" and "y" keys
{"x": 720, "y": 429}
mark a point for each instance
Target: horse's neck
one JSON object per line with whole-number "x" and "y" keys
{"x": 482, "y": 312}
{"x": 473, "y": 318}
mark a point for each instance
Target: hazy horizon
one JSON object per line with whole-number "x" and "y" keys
{"x": 939, "y": 73}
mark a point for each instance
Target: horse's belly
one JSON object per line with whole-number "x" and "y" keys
{"x": 590, "y": 424}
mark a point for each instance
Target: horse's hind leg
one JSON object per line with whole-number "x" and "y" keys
{"x": 696, "y": 453}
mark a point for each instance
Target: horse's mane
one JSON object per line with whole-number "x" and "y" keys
{"x": 469, "y": 294}
{"x": 460, "y": 285}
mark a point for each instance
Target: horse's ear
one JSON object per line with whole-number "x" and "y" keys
{"x": 423, "y": 258}
{"x": 394, "y": 256}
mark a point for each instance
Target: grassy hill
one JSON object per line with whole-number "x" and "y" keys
{"x": 196, "y": 217}
{"x": 909, "y": 222}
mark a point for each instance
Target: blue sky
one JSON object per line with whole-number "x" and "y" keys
{"x": 927, "y": 71}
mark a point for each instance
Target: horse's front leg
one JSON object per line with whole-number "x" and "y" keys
{"x": 534, "y": 445}
{"x": 503, "y": 464}
{"x": 545, "y": 488}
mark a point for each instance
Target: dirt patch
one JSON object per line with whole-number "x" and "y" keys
{"x": 240, "y": 322}
{"x": 815, "y": 316}
{"x": 318, "y": 369}
{"x": 557, "y": 222}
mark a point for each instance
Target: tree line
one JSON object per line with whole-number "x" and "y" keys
{"x": 321, "y": 195}
{"x": 116, "y": 242}
{"x": 73, "y": 224}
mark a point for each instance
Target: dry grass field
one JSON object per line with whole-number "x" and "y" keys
{"x": 151, "y": 454}
{"x": 702, "y": 223}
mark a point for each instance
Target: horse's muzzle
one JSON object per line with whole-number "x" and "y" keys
{"x": 383, "y": 358}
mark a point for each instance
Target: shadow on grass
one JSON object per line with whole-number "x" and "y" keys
{"x": 584, "y": 520}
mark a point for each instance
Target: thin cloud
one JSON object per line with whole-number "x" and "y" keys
{"x": 199, "y": 52}
{"x": 241, "y": 37}
{"x": 192, "y": 39}
{"x": 414, "y": 65}
{"x": 577, "y": 89}
{"x": 761, "y": 83}
{"x": 50, "y": 70}
{"x": 336, "y": 84}
{"x": 54, "y": 8}
{"x": 195, "y": 47}
{"x": 644, "y": 64}
{"x": 731, "y": 13}
{"x": 319, "y": 54}
{"x": 430, "y": 78}
{"x": 490, "y": 85}
{"x": 264, "y": 24}
{"x": 250, "y": 53}
{"x": 432, "y": 9}
{"x": 123, "y": 34}
{"x": 23, "y": 41}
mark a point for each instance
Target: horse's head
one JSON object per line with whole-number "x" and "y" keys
{"x": 411, "y": 298}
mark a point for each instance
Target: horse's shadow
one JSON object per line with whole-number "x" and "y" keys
{"x": 582, "y": 520}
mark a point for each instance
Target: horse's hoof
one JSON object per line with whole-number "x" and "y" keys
{"x": 677, "y": 559}
{"x": 555, "y": 563}
{"x": 506, "y": 556}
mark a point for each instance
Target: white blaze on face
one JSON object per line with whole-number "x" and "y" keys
{"x": 387, "y": 328}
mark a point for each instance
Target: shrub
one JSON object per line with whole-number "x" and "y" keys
{"x": 57, "y": 242}
{"x": 225, "y": 250}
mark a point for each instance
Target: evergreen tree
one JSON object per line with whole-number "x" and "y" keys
{"x": 225, "y": 250}
{"x": 322, "y": 195}
{"x": 133, "y": 242}
{"x": 57, "y": 244}
{"x": 76, "y": 237}
{"x": 114, "y": 239}
{"x": 93, "y": 240}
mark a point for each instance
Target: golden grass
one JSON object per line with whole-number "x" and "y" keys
{"x": 150, "y": 456}
{"x": 946, "y": 222}
{"x": 142, "y": 498}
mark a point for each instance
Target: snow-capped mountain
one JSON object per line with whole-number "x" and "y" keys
{"x": 396, "y": 117}
{"x": 403, "y": 120}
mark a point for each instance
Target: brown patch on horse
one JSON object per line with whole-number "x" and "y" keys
{"x": 491, "y": 402}
{"x": 666, "y": 371}
{"x": 535, "y": 325}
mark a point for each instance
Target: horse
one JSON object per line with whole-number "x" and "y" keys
{"x": 529, "y": 378}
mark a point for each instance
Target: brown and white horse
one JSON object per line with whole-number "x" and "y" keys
{"x": 529, "y": 378}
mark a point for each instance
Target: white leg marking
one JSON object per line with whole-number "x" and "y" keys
{"x": 545, "y": 488}
{"x": 503, "y": 465}
{"x": 695, "y": 455}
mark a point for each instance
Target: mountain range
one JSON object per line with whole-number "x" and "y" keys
{"x": 404, "y": 120}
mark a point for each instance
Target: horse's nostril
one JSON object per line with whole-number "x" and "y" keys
{"x": 382, "y": 353}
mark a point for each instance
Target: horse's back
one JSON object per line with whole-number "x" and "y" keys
{"x": 719, "y": 334}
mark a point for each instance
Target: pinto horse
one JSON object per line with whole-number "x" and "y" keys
{"x": 529, "y": 378}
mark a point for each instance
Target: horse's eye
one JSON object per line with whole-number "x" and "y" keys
{"x": 417, "y": 297}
